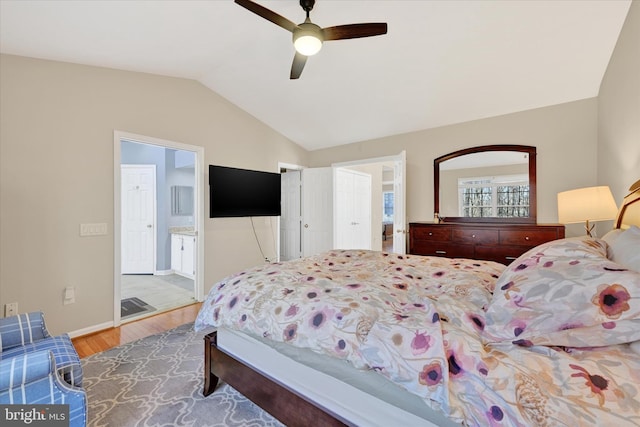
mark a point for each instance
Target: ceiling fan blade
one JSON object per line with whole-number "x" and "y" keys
{"x": 354, "y": 31}
{"x": 298, "y": 65}
{"x": 267, "y": 14}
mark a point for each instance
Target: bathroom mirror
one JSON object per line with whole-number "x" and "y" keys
{"x": 491, "y": 183}
{"x": 181, "y": 200}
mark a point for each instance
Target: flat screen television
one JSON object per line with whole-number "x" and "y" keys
{"x": 241, "y": 192}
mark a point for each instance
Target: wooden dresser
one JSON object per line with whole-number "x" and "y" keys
{"x": 494, "y": 242}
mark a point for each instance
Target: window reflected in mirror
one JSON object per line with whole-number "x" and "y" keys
{"x": 503, "y": 196}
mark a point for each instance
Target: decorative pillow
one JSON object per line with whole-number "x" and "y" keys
{"x": 625, "y": 248}
{"x": 612, "y": 235}
{"x": 565, "y": 293}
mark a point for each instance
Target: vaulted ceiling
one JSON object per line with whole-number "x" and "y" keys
{"x": 442, "y": 62}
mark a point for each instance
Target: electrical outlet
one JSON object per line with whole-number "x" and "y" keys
{"x": 11, "y": 309}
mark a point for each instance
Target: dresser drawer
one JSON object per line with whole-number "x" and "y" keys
{"x": 501, "y": 254}
{"x": 442, "y": 249}
{"x": 475, "y": 236}
{"x": 494, "y": 242}
{"x": 527, "y": 237}
{"x": 435, "y": 234}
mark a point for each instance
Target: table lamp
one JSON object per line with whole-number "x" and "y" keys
{"x": 586, "y": 204}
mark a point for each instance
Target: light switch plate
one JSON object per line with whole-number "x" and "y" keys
{"x": 69, "y": 295}
{"x": 96, "y": 229}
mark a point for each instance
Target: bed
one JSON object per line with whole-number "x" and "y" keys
{"x": 376, "y": 339}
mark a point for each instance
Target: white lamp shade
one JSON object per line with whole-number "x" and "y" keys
{"x": 586, "y": 204}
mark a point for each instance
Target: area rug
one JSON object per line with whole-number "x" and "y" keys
{"x": 133, "y": 306}
{"x": 158, "y": 381}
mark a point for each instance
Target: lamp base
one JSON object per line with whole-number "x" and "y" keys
{"x": 588, "y": 228}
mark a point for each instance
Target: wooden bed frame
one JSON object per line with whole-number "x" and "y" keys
{"x": 285, "y": 404}
{"x": 629, "y": 207}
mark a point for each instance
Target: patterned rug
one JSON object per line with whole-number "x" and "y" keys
{"x": 157, "y": 381}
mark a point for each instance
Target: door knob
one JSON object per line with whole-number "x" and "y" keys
{"x": 149, "y": 226}
{"x": 306, "y": 226}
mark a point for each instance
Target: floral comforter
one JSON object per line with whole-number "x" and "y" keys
{"x": 420, "y": 322}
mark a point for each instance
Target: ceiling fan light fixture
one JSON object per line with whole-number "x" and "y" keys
{"x": 307, "y": 39}
{"x": 308, "y": 45}
{"x": 307, "y": 36}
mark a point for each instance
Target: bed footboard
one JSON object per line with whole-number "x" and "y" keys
{"x": 286, "y": 405}
{"x": 210, "y": 379}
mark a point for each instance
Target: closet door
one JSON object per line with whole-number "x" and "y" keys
{"x": 291, "y": 218}
{"x": 317, "y": 210}
{"x": 138, "y": 202}
{"x": 353, "y": 210}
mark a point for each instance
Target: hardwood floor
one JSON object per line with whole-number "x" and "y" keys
{"x": 387, "y": 244}
{"x": 87, "y": 345}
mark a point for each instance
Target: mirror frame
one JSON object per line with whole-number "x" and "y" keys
{"x": 533, "y": 206}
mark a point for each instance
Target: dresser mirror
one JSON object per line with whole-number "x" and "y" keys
{"x": 491, "y": 183}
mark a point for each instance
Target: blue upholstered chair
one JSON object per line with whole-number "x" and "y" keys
{"x": 33, "y": 379}
{"x": 27, "y": 333}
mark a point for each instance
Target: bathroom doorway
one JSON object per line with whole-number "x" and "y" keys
{"x": 158, "y": 215}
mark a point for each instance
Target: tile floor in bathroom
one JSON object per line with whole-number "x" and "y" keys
{"x": 163, "y": 292}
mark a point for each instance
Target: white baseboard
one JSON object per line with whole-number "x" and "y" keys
{"x": 91, "y": 329}
{"x": 163, "y": 272}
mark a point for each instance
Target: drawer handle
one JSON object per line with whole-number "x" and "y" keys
{"x": 526, "y": 238}
{"x": 510, "y": 258}
{"x": 441, "y": 252}
{"x": 473, "y": 236}
{"x": 430, "y": 234}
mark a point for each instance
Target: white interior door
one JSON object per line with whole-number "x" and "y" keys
{"x": 291, "y": 217}
{"x": 317, "y": 210}
{"x": 399, "y": 200}
{"x": 353, "y": 210}
{"x": 361, "y": 211}
{"x": 138, "y": 193}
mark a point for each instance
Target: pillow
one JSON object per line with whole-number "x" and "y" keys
{"x": 625, "y": 248}
{"x": 610, "y": 237}
{"x": 565, "y": 293}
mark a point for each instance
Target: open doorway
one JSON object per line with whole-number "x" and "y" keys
{"x": 387, "y": 200}
{"x": 158, "y": 214}
{"x": 297, "y": 232}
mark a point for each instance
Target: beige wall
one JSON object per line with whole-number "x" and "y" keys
{"x": 565, "y": 137}
{"x": 619, "y": 111}
{"x": 56, "y": 172}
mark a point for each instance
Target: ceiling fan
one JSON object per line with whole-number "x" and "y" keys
{"x": 307, "y": 36}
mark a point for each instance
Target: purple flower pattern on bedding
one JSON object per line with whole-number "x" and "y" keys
{"x": 420, "y": 322}
{"x": 566, "y": 293}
